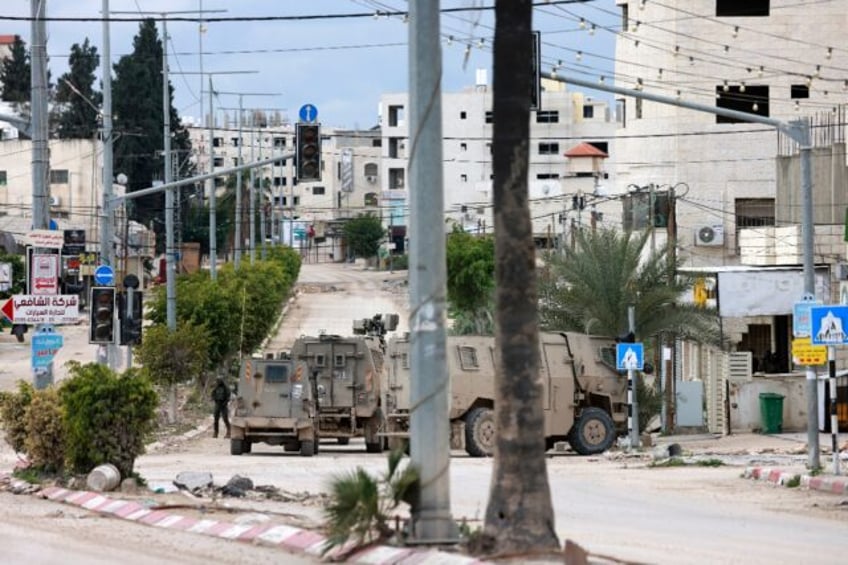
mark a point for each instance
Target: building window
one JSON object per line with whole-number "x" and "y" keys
{"x": 371, "y": 199}
{"x": 753, "y": 212}
{"x": 218, "y": 162}
{"x": 547, "y": 148}
{"x": 468, "y": 357}
{"x": 58, "y": 176}
{"x": 234, "y": 141}
{"x": 217, "y": 142}
{"x": 489, "y": 147}
{"x": 317, "y": 190}
{"x": 395, "y": 116}
{"x": 547, "y": 117}
{"x": 279, "y": 142}
{"x": 547, "y": 176}
{"x": 396, "y": 178}
{"x": 588, "y": 111}
{"x": 638, "y": 109}
{"x": 625, "y": 15}
{"x": 735, "y": 8}
{"x": 800, "y": 91}
{"x": 370, "y": 170}
{"x": 3, "y": 179}
{"x": 755, "y": 100}
{"x": 490, "y": 117}
{"x": 602, "y": 145}
{"x": 462, "y": 115}
{"x": 621, "y": 109}
{"x": 463, "y": 147}
{"x": 463, "y": 178}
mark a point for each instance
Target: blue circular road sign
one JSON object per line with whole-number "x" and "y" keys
{"x": 104, "y": 275}
{"x": 308, "y": 113}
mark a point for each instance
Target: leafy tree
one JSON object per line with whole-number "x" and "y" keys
{"x": 364, "y": 234}
{"x": 169, "y": 358}
{"x": 138, "y": 123}
{"x": 107, "y": 416}
{"x": 471, "y": 282}
{"x": 80, "y": 102}
{"x": 590, "y": 287}
{"x": 519, "y": 515}
{"x": 15, "y": 73}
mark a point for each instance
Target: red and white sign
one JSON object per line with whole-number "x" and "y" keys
{"x": 44, "y": 274}
{"x": 46, "y": 239}
{"x": 37, "y": 309}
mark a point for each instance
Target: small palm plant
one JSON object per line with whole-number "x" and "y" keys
{"x": 360, "y": 504}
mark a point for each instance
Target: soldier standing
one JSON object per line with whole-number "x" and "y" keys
{"x": 221, "y": 397}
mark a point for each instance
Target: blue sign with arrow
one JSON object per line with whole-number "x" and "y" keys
{"x": 104, "y": 275}
{"x": 308, "y": 113}
{"x": 629, "y": 356}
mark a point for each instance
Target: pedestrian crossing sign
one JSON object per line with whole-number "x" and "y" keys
{"x": 629, "y": 356}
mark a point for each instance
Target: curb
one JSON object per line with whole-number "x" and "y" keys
{"x": 288, "y": 538}
{"x": 832, "y": 485}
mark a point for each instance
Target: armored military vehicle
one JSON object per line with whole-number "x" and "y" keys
{"x": 275, "y": 404}
{"x": 347, "y": 377}
{"x": 584, "y": 396}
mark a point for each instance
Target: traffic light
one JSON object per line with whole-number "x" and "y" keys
{"x": 308, "y": 156}
{"x": 102, "y": 315}
{"x": 131, "y": 326}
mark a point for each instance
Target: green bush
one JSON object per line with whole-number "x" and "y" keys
{"x": 45, "y": 437}
{"x": 13, "y": 406}
{"x": 107, "y": 416}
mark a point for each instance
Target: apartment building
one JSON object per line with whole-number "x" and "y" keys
{"x": 563, "y": 175}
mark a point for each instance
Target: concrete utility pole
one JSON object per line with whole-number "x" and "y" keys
{"x": 40, "y": 155}
{"x": 170, "y": 252}
{"x": 799, "y": 132}
{"x": 632, "y": 386}
{"x": 107, "y": 253}
{"x": 429, "y": 427}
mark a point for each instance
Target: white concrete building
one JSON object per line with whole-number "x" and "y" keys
{"x": 564, "y": 121}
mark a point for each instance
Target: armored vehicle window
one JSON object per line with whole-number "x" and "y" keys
{"x": 608, "y": 357}
{"x": 319, "y": 360}
{"x": 340, "y": 361}
{"x": 404, "y": 360}
{"x": 277, "y": 373}
{"x": 468, "y": 357}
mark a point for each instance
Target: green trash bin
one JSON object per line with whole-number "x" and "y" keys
{"x": 771, "y": 412}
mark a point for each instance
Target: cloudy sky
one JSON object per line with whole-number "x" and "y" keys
{"x": 335, "y": 54}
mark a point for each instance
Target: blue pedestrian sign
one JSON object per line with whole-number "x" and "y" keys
{"x": 629, "y": 356}
{"x": 829, "y": 324}
{"x": 104, "y": 275}
{"x": 308, "y": 113}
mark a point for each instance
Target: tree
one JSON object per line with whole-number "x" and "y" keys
{"x": 79, "y": 116}
{"x": 169, "y": 358}
{"x": 364, "y": 234}
{"x": 15, "y": 74}
{"x": 589, "y": 288}
{"x": 519, "y": 515}
{"x": 138, "y": 122}
{"x": 471, "y": 282}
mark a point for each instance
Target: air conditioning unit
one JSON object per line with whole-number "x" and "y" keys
{"x": 371, "y": 178}
{"x": 55, "y": 201}
{"x": 709, "y": 236}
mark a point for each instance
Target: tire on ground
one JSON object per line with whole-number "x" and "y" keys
{"x": 480, "y": 432}
{"x": 236, "y": 446}
{"x": 343, "y": 440}
{"x": 593, "y": 432}
{"x": 373, "y": 441}
{"x": 307, "y": 448}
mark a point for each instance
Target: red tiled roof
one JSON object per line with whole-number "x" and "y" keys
{"x": 7, "y": 39}
{"x": 585, "y": 150}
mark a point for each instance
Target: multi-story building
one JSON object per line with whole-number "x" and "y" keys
{"x": 558, "y": 183}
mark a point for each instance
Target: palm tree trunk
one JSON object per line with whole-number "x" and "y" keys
{"x": 519, "y": 516}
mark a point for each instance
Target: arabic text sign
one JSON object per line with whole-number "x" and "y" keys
{"x": 45, "y": 274}
{"x": 48, "y": 239}
{"x": 44, "y": 348}
{"x": 34, "y": 309}
{"x": 829, "y": 324}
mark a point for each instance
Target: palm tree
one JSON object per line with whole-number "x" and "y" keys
{"x": 589, "y": 288}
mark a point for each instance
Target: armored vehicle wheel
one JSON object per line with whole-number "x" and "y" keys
{"x": 343, "y": 440}
{"x": 307, "y": 448}
{"x": 480, "y": 432}
{"x": 593, "y": 432}
{"x": 374, "y": 442}
{"x": 236, "y": 446}
{"x": 248, "y": 445}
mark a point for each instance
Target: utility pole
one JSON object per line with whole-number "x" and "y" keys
{"x": 799, "y": 132}
{"x": 429, "y": 427}
{"x": 632, "y": 385}
{"x": 42, "y": 378}
{"x": 170, "y": 252}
